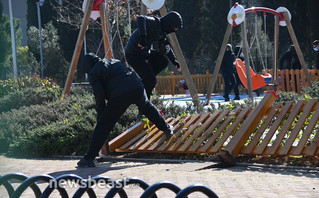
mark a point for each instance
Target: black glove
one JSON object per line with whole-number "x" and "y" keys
{"x": 177, "y": 65}
{"x": 143, "y": 40}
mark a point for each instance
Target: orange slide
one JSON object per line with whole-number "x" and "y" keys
{"x": 257, "y": 80}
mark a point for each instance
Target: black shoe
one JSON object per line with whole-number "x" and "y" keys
{"x": 226, "y": 99}
{"x": 169, "y": 133}
{"x": 237, "y": 98}
{"x": 86, "y": 163}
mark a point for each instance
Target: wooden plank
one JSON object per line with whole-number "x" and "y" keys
{"x": 297, "y": 47}
{"x": 125, "y": 136}
{"x": 239, "y": 139}
{"x": 306, "y": 134}
{"x": 287, "y": 80}
{"x": 146, "y": 141}
{"x": 176, "y": 135}
{"x": 202, "y": 128}
{"x": 298, "y": 81}
{"x": 300, "y": 123}
{"x": 78, "y": 47}
{"x": 252, "y": 145}
{"x": 105, "y": 32}
{"x": 211, "y": 129}
{"x": 230, "y": 130}
{"x": 272, "y": 150}
{"x": 180, "y": 57}
{"x": 259, "y": 149}
{"x": 180, "y": 140}
{"x": 160, "y": 141}
{"x": 293, "y": 83}
{"x": 198, "y": 143}
{"x": 218, "y": 63}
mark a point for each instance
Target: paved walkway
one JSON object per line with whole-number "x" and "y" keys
{"x": 239, "y": 181}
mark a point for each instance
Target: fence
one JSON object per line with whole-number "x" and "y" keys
{"x": 288, "y": 81}
{"x": 87, "y": 186}
{"x": 289, "y": 129}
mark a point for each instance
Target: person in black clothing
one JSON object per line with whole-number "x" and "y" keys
{"x": 315, "y": 46}
{"x": 112, "y": 80}
{"x": 148, "y": 47}
{"x": 228, "y": 71}
{"x": 289, "y": 60}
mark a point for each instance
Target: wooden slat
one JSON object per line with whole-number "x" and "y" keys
{"x": 262, "y": 147}
{"x": 204, "y": 126}
{"x": 298, "y": 80}
{"x": 125, "y": 136}
{"x": 306, "y": 134}
{"x": 175, "y": 136}
{"x": 210, "y": 130}
{"x": 229, "y": 131}
{"x": 204, "y": 136}
{"x": 250, "y": 123}
{"x": 160, "y": 141}
{"x": 180, "y": 140}
{"x": 300, "y": 123}
{"x": 280, "y": 136}
{"x": 251, "y": 146}
{"x": 287, "y": 80}
{"x": 147, "y": 142}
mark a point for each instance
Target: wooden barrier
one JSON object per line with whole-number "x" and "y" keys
{"x": 289, "y": 129}
{"x": 288, "y": 81}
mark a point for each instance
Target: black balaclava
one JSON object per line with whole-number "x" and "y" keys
{"x": 292, "y": 49}
{"x": 228, "y": 48}
{"x": 170, "y": 21}
{"x": 89, "y": 61}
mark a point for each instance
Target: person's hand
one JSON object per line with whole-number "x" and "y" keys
{"x": 179, "y": 69}
{"x": 177, "y": 65}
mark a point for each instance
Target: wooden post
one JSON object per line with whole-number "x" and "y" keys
{"x": 143, "y": 9}
{"x": 241, "y": 136}
{"x": 173, "y": 83}
{"x": 275, "y": 56}
{"x": 247, "y": 60}
{"x": 180, "y": 57}
{"x": 105, "y": 31}
{"x": 78, "y": 47}
{"x": 297, "y": 47}
{"x": 218, "y": 63}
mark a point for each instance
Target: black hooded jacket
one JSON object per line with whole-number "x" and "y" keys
{"x": 109, "y": 79}
{"x": 227, "y": 65}
{"x": 151, "y": 30}
{"x": 289, "y": 60}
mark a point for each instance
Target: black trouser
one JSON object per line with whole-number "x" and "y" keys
{"x": 114, "y": 110}
{"x": 148, "y": 69}
{"x": 230, "y": 83}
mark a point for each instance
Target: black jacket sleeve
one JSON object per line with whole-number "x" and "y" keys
{"x": 166, "y": 48}
{"x": 96, "y": 83}
{"x": 141, "y": 25}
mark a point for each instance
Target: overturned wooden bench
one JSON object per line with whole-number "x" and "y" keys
{"x": 268, "y": 129}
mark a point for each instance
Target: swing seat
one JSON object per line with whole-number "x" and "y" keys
{"x": 258, "y": 80}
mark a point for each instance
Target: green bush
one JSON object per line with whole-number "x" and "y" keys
{"x": 27, "y": 97}
{"x": 313, "y": 91}
{"x": 10, "y": 85}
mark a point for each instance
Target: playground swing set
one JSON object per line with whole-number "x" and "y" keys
{"x": 264, "y": 130}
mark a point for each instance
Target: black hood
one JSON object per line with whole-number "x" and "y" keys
{"x": 171, "y": 21}
{"x": 89, "y": 61}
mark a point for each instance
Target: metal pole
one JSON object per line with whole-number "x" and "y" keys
{"x": 40, "y": 37}
{"x": 14, "y": 52}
